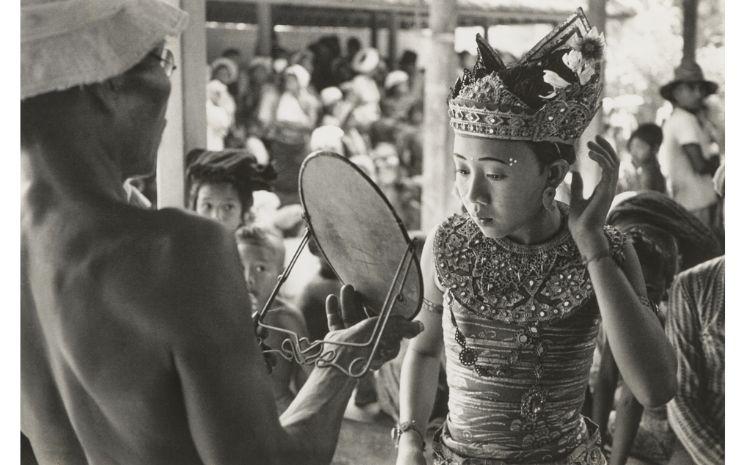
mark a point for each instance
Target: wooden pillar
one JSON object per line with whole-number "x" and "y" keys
{"x": 392, "y": 40}
{"x": 690, "y": 16}
{"x": 486, "y": 25}
{"x": 440, "y": 74}
{"x": 186, "y": 114}
{"x": 373, "y": 30}
{"x": 596, "y": 14}
{"x": 265, "y": 27}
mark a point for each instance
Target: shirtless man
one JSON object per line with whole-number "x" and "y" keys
{"x": 136, "y": 345}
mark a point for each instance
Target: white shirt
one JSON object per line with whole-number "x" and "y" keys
{"x": 692, "y": 190}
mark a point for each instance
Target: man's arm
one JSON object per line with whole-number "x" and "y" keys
{"x": 689, "y": 423}
{"x": 227, "y": 391}
{"x": 700, "y": 164}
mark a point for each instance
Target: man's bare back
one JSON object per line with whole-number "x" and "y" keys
{"x": 121, "y": 305}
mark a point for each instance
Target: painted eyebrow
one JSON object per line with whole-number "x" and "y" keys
{"x": 457, "y": 155}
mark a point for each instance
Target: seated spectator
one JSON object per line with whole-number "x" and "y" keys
{"x": 696, "y": 330}
{"x": 643, "y": 171}
{"x": 364, "y": 89}
{"x": 262, "y": 254}
{"x": 221, "y": 184}
{"x": 221, "y": 105}
{"x": 336, "y": 109}
{"x": 666, "y": 238}
{"x": 262, "y": 96}
{"x": 398, "y": 99}
{"x": 409, "y": 142}
{"x": 295, "y": 118}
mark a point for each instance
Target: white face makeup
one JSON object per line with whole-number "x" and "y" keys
{"x": 500, "y": 183}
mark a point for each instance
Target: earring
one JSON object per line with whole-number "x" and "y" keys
{"x": 549, "y": 202}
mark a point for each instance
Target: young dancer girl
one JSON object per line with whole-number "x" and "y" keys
{"x": 516, "y": 287}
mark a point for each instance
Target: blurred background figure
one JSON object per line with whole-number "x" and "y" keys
{"x": 689, "y": 156}
{"x": 641, "y": 171}
{"x": 262, "y": 255}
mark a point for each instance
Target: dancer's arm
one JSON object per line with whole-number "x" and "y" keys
{"x": 421, "y": 366}
{"x": 644, "y": 357}
{"x": 628, "y": 415}
{"x": 605, "y": 388}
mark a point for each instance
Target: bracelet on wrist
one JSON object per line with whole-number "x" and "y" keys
{"x": 593, "y": 258}
{"x": 403, "y": 427}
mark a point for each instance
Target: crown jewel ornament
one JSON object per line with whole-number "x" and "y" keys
{"x": 550, "y": 95}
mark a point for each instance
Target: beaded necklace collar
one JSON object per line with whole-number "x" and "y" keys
{"x": 514, "y": 283}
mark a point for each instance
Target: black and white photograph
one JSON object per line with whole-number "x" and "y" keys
{"x": 370, "y": 232}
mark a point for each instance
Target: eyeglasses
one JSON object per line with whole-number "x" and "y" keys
{"x": 167, "y": 60}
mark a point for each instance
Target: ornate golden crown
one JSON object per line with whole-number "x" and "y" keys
{"x": 551, "y": 94}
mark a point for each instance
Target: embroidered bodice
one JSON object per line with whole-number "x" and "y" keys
{"x": 519, "y": 327}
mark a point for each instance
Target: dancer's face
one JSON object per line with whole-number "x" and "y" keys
{"x": 500, "y": 183}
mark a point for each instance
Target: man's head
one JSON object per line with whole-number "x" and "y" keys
{"x": 644, "y": 142}
{"x": 99, "y": 70}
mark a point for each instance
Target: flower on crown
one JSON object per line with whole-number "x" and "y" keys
{"x": 581, "y": 58}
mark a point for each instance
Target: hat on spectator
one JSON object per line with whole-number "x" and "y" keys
{"x": 228, "y": 64}
{"x": 688, "y": 71}
{"x": 327, "y": 138}
{"x": 331, "y": 95}
{"x": 279, "y": 65}
{"x": 261, "y": 61}
{"x": 301, "y": 74}
{"x": 68, "y": 43}
{"x": 366, "y": 60}
{"x": 395, "y": 78}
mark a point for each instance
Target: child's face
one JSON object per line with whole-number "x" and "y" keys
{"x": 640, "y": 150}
{"x": 220, "y": 202}
{"x": 262, "y": 264}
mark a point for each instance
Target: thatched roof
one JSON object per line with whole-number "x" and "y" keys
{"x": 409, "y": 13}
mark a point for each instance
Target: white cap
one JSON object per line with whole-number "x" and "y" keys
{"x": 67, "y": 43}
{"x": 301, "y": 74}
{"x": 395, "y": 78}
{"x": 366, "y": 60}
{"x": 331, "y": 95}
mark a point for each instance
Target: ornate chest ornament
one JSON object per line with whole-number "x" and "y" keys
{"x": 523, "y": 286}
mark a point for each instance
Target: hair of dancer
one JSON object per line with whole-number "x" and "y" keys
{"x": 516, "y": 287}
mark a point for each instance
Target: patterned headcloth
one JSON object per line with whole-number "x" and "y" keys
{"x": 696, "y": 242}
{"x": 550, "y": 95}
{"x": 234, "y": 166}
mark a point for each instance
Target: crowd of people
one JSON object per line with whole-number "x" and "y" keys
{"x": 284, "y": 106}
{"x": 539, "y": 316}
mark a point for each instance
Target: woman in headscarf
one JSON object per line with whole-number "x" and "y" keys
{"x": 515, "y": 287}
{"x": 222, "y": 183}
{"x": 668, "y": 239}
{"x": 296, "y": 116}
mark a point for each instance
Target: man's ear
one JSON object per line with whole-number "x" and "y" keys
{"x": 106, "y": 93}
{"x": 557, "y": 171}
